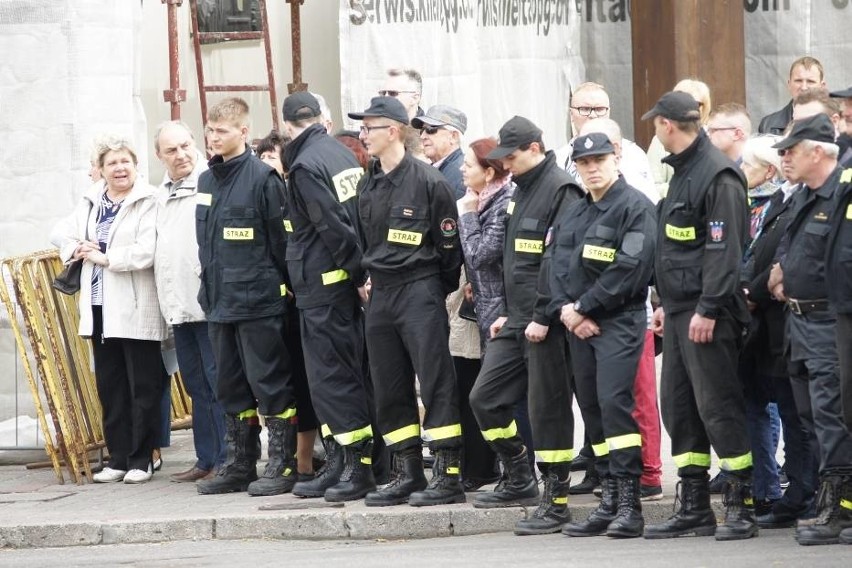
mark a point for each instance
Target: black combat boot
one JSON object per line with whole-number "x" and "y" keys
{"x": 517, "y": 486}
{"x": 445, "y": 486}
{"x": 552, "y": 513}
{"x": 739, "y": 521}
{"x": 240, "y": 468}
{"x": 327, "y": 476}
{"x": 694, "y": 516}
{"x": 834, "y": 512}
{"x": 357, "y": 478}
{"x": 600, "y": 518}
{"x": 591, "y": 481}
{"x": 280, "y": 474}
{"x": 406, "y": 477}
{"x": 628, "y": 522}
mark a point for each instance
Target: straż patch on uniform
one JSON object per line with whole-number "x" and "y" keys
{"x": 632, "y": 243}
{"x": 717, "y": 231}
{"x": 448, "y": 227}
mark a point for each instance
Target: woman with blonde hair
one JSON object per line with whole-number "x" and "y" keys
{"x": 112, "y": 229}
{"x": 663, "y": 172}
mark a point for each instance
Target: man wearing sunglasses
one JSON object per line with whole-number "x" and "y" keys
{"x": 406, "y": 86}
{"x": 441, "y": 129}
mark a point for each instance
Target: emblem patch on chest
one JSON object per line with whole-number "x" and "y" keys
{"x": 238, "y": 234}
{"x": 448, "y": 227}
{"x": 717, "y": 231}
{"x": 821, "y": 216}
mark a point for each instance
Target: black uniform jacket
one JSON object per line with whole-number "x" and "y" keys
{"x": 805, "y": 243}
{"x": 701, "y": 233}
{"x": 408, "y": 225}
{"x": 320, "y": 216}
{"x": 241, "y": 240}
{"x": 603, "y": 252}
{"x": 839, "y": 260}
{"x": 539, "y": 196}
{"x": 776, "y": 122}
{"x": 768, "y": 314}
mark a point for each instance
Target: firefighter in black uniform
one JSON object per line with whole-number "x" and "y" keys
{"x": 601, "y": 264}
{"x": 701, "y": 232}
{"x": 527, "y": 349}
{"x": 810, "y": 158}
{"x": 413, "y": 254}
{"x": 324, "y": 264}
{"x": 241, "y": 246}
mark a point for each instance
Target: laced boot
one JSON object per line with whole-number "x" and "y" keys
{"x": 280, "y": 473}
{"x": 327, "y": 476}
{"x": 242, "y": 440}
{"x": 591, "y": 481}
{"x": 834, "y": 512}
{"x": 552, "y": 513}
{"x": 445, "y": 486}
{"x": 600, "y": 518}
{"x": 357, "y": 478}
{"x": 739, "y": 521}
{"x": 517, "y": 486}
{"x": 628, "y": 522}
{"x": 694, "y": 516}
{"x": 406, "y": 477}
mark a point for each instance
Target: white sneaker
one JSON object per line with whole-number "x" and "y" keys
{"x": 138, "y": 475}
{"x": 109, "y": 475}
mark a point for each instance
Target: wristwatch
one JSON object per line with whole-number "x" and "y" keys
{"x": 578, "y": 307}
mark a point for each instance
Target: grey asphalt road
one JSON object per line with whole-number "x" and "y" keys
{"x": 771, "y": 549}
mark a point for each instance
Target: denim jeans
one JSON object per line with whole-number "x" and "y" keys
{"x": 198, "y": 370}
{"x": 760, "y": 431}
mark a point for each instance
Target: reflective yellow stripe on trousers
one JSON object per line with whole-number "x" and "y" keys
{"x": 692, "y": 458}
{"x": 250, "y": 413}
{"x": 289, "y": 413}
{"x": 442, "y": 432}
{"x": 736, "y": 463}
{"x": 509, "y": 431}
{"x": 624, "y": 441}
{"x": 400, "y": 434}
{"x": 554, "y": 456}
{"x": 601, "y": 449}
{"x": 349, "y": 438}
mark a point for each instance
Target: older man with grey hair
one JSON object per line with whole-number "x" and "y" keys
{"x": 441, "y": 129}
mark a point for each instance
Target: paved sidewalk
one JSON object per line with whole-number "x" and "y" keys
{"x": 37, "y": 512}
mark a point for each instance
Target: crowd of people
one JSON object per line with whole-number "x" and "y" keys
{"x": 399, "y": 285}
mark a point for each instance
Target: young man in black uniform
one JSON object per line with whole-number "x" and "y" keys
{"x": 701, "y": 233}
{"x": 324, "y": 264}
{"x": 801, "y": 278}
{"x": 527, "y": 349}
{"x": 602, "y": 260}
{"x": 412, "y": 252}
{"x": 241, "y": 246}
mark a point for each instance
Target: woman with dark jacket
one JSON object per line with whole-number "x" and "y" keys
{"x": 764, "y": 363}
{"x": 482, "y": 224}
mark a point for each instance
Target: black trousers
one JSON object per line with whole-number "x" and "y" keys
{"x": 407, "y": 332}
{"x": 253, "y": 365}
{"x": 702, "y": 398}
{"x": 844, "y": 353}
{"x": 511, "y": 365}
{"x": 333, "y": 356}
{"x": 814, "y": 363}
{"x": 478, "y": 460}
{"x": 307, "y": 416}
{"x": 604, "y": 377}
{"x": 129, "y": 379}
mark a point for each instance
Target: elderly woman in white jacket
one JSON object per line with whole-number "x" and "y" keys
{"x": 113, "y": 230}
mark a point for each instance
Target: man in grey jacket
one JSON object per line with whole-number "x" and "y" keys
{"x": 176, "y": 268}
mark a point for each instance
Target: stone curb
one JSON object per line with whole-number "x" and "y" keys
{"x": 392, "y": 523}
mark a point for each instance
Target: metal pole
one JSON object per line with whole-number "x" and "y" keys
{"x": 296, "y": 40}
{"x": 174, "y": 95}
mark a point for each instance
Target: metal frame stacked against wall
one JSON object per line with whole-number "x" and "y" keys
{"x": 66, "y": 381}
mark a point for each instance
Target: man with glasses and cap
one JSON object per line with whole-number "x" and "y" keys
{"x": 413, "y": 254}
{"x": 602, "y": 261}
{"x": 809, "y": 157}
{"x": 701, "y": 231}
{"x": 527, "y": 349}
{"x": 441, "y": 129}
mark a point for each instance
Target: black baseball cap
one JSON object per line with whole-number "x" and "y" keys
{"x": 844, "y": 94}
{"x": 387, "y": 107}
{"x": 817, "y": 128}
{"x": 592, "y": 144}
{"x": 517, "y": 132}
{"x": 300, "y": 105}
{"x": 675, "y": 105}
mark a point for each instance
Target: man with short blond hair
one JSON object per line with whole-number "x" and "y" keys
{"x": 805, "y": 73}
{"x": 728, "y": 127}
